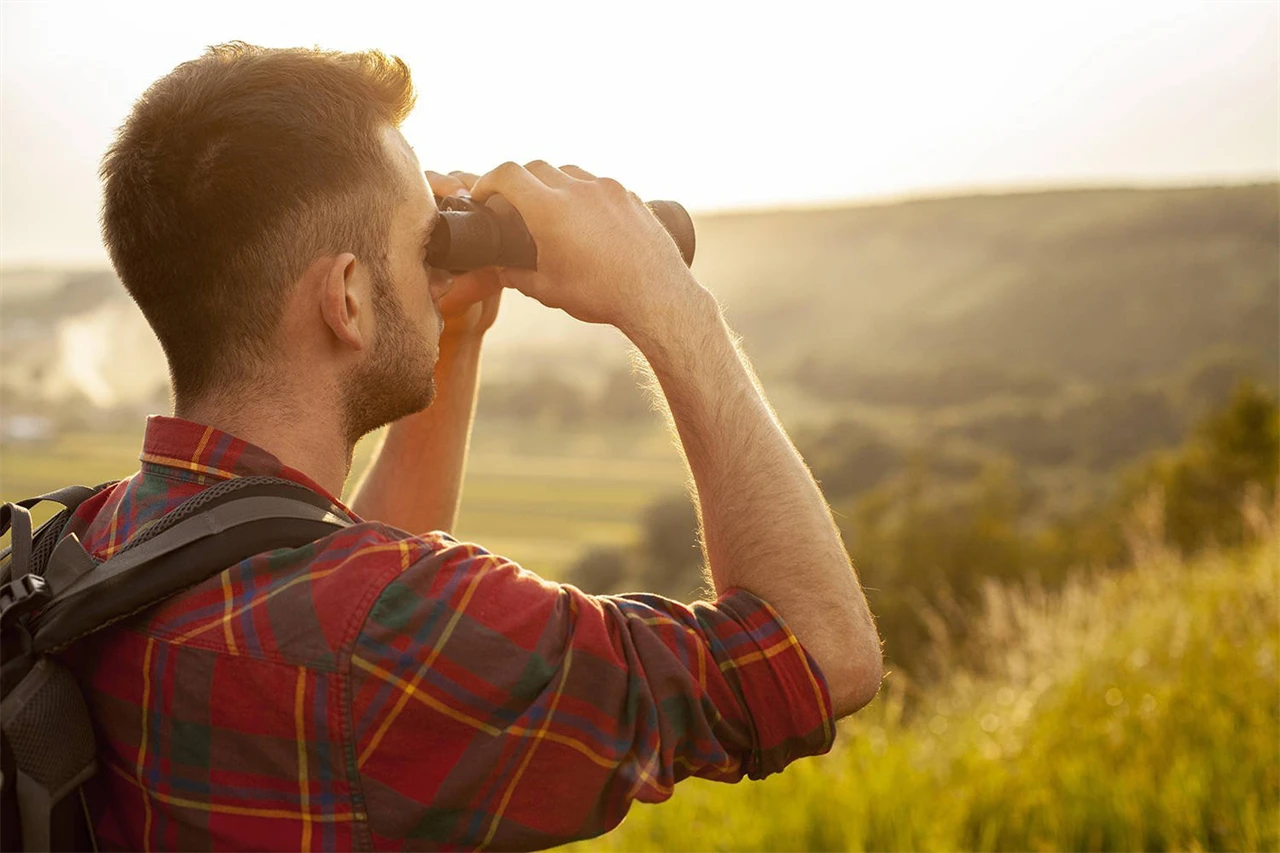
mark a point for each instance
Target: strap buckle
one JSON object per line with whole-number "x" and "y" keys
{"x": 22, "y": 595}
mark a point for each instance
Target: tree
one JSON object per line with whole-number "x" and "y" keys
{"x": 1205, "y": 482}
{"x": 601, "y": 571}
{"x": 670, "y": 559}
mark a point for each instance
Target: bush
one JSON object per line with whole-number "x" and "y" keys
{"x": 667, "y": 560}
{"x": 847, "y": 458}
{"x": 1204, "y": 483}
{"x": 1135, "y": 711}
{"x": 925, "y": 548}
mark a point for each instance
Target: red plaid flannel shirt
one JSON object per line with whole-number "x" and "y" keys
{"x": 381, "y": 690}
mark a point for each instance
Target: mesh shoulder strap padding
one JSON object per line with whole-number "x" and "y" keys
{"x": 46, "y": 726}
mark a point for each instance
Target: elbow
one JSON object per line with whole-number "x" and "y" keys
{"x": 857, "y": 682}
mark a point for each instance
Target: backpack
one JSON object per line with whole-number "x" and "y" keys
{"x": 52, "y": 594}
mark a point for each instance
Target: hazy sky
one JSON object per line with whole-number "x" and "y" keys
{"x": 714, "y": 104}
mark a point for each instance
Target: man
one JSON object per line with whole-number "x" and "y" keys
{"x": 388, "y": 686}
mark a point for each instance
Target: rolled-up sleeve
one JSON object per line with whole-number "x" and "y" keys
{"x": 490, "y": 707}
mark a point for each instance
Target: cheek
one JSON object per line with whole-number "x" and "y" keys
{"x": 440, "y": 283}
{"x": 415, "y": 293}
{"x": 420, "y": 299}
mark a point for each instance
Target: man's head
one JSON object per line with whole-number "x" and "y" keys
{"x": 263, "y": 210}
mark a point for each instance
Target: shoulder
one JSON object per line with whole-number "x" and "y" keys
{"x": 302, "y": 605}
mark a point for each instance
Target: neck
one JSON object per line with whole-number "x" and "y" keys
{"x": 307, "y": 436}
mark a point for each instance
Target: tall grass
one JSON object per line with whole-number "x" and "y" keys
{"x": 1129, "y": 711}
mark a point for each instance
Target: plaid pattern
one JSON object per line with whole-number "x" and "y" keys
{"x": 380, "y": 690}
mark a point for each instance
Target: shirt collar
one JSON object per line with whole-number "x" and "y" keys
{"x": 192, "y": 451}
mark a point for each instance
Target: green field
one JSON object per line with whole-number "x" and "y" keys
{"x": 538, "y": 497}
{"x": 543, "y": 499}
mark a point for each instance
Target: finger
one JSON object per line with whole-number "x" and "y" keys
{"x": 548, "y": 174}
{"x": 578, "y": 172}
{"x": 514, "y": 183}
{"x": 473, "y": 287}
{"x": 467, "y": 178}
{"x": 444, "y": 185}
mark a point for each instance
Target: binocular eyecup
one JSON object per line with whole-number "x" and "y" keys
{"x": 469, "y": 235}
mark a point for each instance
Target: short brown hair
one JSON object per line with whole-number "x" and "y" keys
{"x": 230, "y": 176}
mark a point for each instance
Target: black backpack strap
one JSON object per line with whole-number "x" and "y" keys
{"x": 69, "y": 496}
{"x": 178, "y": 558}
{"x": 16, "y": 520}
{"x": 45, "y": 720}
{"x": 26, "y": 551}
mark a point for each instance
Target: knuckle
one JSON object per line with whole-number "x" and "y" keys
{"x": 612, "y": 187}
{"x": 535, "y": 164}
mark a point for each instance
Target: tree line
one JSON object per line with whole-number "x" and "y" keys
{"x": 928, "y": 533}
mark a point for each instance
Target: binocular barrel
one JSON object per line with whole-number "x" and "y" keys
{"x": 469, "y": 236}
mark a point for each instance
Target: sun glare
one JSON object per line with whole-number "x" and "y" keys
{"x": 716, "y": 106}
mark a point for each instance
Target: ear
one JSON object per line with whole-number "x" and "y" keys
{"x": 345, "y": 301}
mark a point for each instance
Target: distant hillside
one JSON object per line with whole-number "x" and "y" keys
{"x": 1100, "y": 285}
{"x": 46, "y": 295}
{"x": 1095, "y": 284}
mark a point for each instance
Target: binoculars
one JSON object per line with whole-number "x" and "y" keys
{"x": 469, "y": 235}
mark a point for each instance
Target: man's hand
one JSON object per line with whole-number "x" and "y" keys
{"x": 603, "y": 257}
{"x": 471, "y": 305}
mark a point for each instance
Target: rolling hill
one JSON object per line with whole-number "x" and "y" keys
{"x": 1098, "y": 285}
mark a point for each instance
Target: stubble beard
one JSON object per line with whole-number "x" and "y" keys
{"x": 398, "y": 377}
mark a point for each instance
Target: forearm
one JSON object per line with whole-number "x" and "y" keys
{"x": 415, "y": 479}
{"x": 766, "y": 527}
{"x": 604, "y": 258}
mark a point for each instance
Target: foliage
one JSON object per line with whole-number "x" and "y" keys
{"x": 550, "y": 399}
{"x": 545, "y": 399}
{"x": 1132, "y": 711}
{"x": 924, "y": 558}
{"x": 666, "y": 560}
{"x": 846, "y": 457}
{"x": 1103, "y": 429}
{"x": 949, "y": 384}
{"x": 1203, "y": 484}
{"x": 669, "y": 547}
{"x": 926, "y": 546}
{"x": 927, "y": 553}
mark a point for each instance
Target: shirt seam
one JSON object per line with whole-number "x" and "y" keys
{"x": 348, "y": 703}
{"x": 360, "y": 618}
{"x": 177, "y": 475}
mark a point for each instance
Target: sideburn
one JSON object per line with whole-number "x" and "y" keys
{"x": 396, "y": 378}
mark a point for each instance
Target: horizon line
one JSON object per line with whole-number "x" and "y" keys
{"x": 937, "y": 193}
